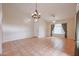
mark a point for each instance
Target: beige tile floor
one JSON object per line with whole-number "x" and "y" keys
{"x": 36, "y": 47}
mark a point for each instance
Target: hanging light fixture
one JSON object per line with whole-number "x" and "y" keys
{"x": 52, "y": 18}
{"x": 36, "y": 14}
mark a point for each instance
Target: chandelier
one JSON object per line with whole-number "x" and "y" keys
{"x": 36, "y": 14}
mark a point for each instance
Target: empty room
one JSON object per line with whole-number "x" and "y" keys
{"x": 39, "y": 29}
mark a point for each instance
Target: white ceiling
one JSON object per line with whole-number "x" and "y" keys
{"x": 60, "y": 10}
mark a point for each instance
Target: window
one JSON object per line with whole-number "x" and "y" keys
{"x": 58, "y": 29}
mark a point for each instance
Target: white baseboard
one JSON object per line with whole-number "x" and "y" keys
{"x": 12, "y": 38}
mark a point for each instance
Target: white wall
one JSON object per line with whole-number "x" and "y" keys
{"x": 0, "y": 28}
{"x": 36, "y": 29}
{"x": 71, "y": 26}
{"x": 15, "y": 24}
{"x": 42, "y": 29}
{"x": 16, "y": 32}
{"x": 16, "y": 28}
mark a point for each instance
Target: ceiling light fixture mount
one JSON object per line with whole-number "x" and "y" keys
{"x": 53, "y": 18}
